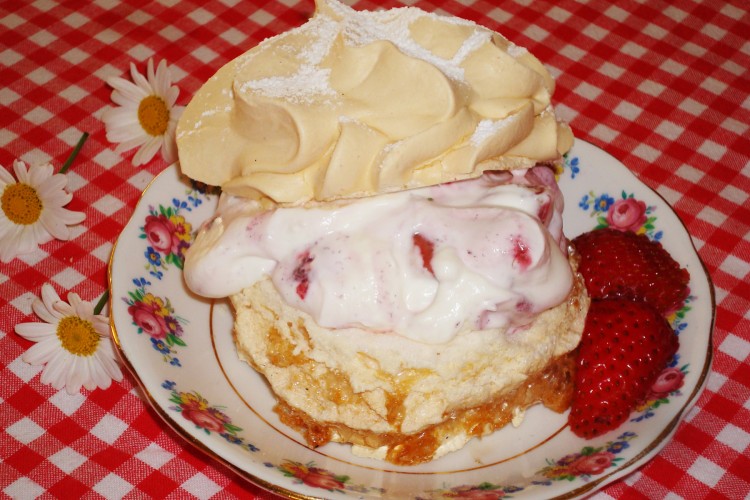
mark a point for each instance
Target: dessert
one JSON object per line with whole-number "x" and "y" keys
{"x": 390, "y": 231}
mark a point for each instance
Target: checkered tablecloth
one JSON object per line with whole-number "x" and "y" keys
{"x": 664, "y": 86}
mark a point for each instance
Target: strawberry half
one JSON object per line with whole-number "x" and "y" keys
{"x": 624, "y": 264}
{"x": 625, "y": 345}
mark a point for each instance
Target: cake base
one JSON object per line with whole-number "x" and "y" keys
{"x": 551, "y": 387}
{"x": 400, "y": 400}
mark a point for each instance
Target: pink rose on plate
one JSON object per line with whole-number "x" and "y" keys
{"x": 159, "y": 232}
{"x": 628, "y": 214}
{"x": 145, "y": 316}
{"x": 320, "y": 478}
{"x": 592, "y": 464}
{"x": 668, "y": 381}
{"x": 203, "y": 419}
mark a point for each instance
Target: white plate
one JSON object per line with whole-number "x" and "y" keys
{"x": 179, "y": 348}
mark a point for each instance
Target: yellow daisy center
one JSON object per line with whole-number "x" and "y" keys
{"x": 21, "y": 204}
{"x": 153, "y": 115}
{"x": 78, "y": 336}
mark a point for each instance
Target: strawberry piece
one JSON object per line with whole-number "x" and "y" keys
{"x": 625, "y": 264}
{"x": 301, "y": 274}
{"x": 426, "y": 250}
{"x": 625, "y": 346}
{"x": 521, "y": 255}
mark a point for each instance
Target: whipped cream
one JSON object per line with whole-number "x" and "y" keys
{"x": 425, "y": 263}
{"x": 356, "y": 103}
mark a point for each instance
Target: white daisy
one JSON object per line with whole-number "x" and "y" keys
{"x": 146, "y": 115}
{"x": 32, "y": 209}
{"x": 74, "y": 343}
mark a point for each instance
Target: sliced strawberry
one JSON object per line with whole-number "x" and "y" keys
{"x": 625, "y": 345}
{"x": 301, "y": 274}
{"x": 426, "y": 250}
{"x": 625, "y": 264}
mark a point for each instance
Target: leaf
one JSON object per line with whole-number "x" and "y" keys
{"x": 231, "y": 428}
{"x": 177, "y": 340}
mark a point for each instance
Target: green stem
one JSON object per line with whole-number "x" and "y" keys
{"x": 103, "y": 300}
{"x": 74, "y": 153}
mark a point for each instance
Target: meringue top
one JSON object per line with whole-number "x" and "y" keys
{"x": 357, "y": 103}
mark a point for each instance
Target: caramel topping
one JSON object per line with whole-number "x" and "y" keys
{"x": 553, "y": 387}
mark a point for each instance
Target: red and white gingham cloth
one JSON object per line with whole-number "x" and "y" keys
{"x": 663, "y": 86}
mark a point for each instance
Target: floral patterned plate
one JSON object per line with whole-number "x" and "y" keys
{"x": 179, "y": 348}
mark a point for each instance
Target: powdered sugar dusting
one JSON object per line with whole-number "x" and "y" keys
{"x": 325, "y": 32}
{"x": 486, "y": 129}
{"x": 515, "y": 51}
{"x": 304, "y": 86}
{"x": 362, "y": 28}
{"x": 358, "y": 28}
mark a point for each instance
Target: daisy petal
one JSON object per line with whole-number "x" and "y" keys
{"x": 56, "y": 370}
{"x": 126, "y": 88}
{"x": 109, "y": 364}
{"x": 40, "y": 174}
{"x": 70, "y": 217}
{"x": 6, "y": 177}
{"x": 128, "y": 145}
{"x": 126, "y": 134}
{"x": 21, "y": 171}
{"x": 42, "y": 352}
{"x": 147, "y": 151}
{"x": 139, "y": 79}
{"x": 35, "y": 331}
{"x": 125, "y": 95}
{"x": 44, "y": 314}
{"x": 50, "y": 298}
{"x": 76, "y": 375}
{"x": 169, "y": 151}
{"x": 170, "y": 96}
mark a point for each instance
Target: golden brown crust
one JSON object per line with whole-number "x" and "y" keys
{"x": 552, "y": 387}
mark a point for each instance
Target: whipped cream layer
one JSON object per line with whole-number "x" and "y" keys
{"x": 355, "y": 103}
{"x": 426, "y": 263}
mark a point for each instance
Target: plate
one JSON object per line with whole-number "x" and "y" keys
{"x": 179, "y": 348}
